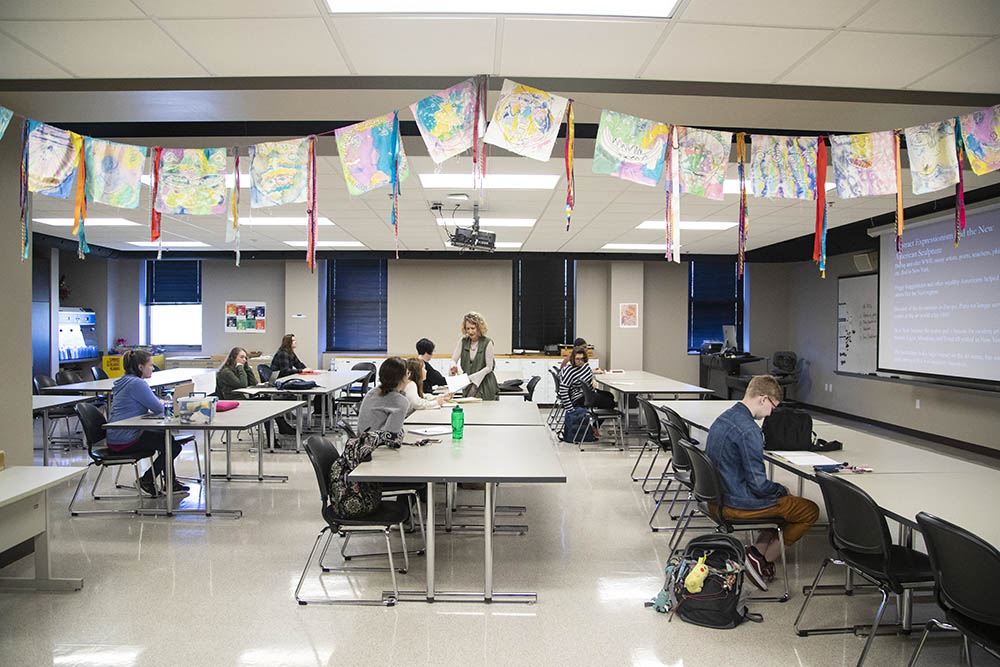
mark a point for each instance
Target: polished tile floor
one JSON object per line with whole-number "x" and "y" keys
{"x": 220, "y": 592}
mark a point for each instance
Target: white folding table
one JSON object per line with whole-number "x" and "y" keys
{"x": 481, "y": 413}
{"x": 642, "y": 383}
{"x": 327, "y": 383}
{"x": 45, "y": 403}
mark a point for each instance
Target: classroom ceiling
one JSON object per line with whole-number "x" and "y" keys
{"x": 900, "y": 49}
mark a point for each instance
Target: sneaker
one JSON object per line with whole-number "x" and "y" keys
{"x": 148, "y": 487}
{"x": 770, "y": 573}
{"x": 755, "y": 566}
{"x": 178, "y": 487}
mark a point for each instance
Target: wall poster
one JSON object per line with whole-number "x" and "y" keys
{"x": 628, "y": 316}
{"x": 245, "y": 316}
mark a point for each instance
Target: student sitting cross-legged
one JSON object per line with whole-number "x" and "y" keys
{"x": 736, "y": 445}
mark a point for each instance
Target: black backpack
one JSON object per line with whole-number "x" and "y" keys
{"x": 788, "y": 429}
{"x": 721, "y": 602}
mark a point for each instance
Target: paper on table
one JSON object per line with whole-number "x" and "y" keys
{"x": 431, "y": 430}
{"x": 807, "y": 459}
{"x": 468, "y": 399}
{"x": 457, "y": 382}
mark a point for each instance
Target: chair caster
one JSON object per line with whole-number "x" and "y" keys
{"x": 402, "y": 570}
{"x": 302, "y": 604}
{"x": 348, "y": 557}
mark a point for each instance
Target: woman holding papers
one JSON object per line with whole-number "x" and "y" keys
{"x": 414, "y": 390}
{"x": 474, "y": 353}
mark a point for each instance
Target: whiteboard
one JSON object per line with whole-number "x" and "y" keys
{"x": 857, "y": 323}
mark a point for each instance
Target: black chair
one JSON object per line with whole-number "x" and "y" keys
{"x": 678, "y": 422}
{"x": 557, "y": 411}
{"x": 360, "y": 387}
{"x": 264, "y": 372}
{"x": 68, "y": 377}
{"x": 532, "y": 383}
{"x": 655, "y": 440}
{"x": 708, "y": 493}
{"x": 322, "y": 454}
{"x": 39, "y": 384}
{"x": 680, "y": 464}
{"x": 349, "y": 404}
{"x": 598, "y": 416}
{"x": 98, "y": 373}
{"x": 103, "y": 457}
{"x": 966, "y": 587}
{"x": 860, "y": 539}
{"x": 156, "y": 369}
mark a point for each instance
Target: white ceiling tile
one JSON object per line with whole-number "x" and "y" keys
{"x": 106, "y": 49}
{"x": 849, "y": 59}
{"x": 730, "y": 53}
{"x": 260, "y": 47}
{"x": 955, "y": 17}
{"x": 66, "y": 11}
{"x": 602, "y": 48}
{"x": 975, "y": 73}
{"x": 416, "y": 45}
{"x": 787, "y": 13}
{"x": 17, "y": 62}
{"x": 227, "y": 8}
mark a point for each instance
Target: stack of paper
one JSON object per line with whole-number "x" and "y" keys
{"x": 807, "y": 459}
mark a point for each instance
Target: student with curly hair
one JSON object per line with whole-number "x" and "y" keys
{"x": 474, "y": 355}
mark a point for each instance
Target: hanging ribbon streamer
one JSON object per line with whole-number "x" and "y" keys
{"x": 396, "y": 150}
{"x": 960, "y": 186}
{"x": 80, "y": 201}
{"x": 233, "y": 232}
{"x": 819, "y": 240}
{"x": 478, "y": 136}
{"x": 899, "y": 194}
{"x": 570, "y": 176}
{"x": 23, "y": 197}
{"x": 744, "y": 228}
{"x": 311, "y": 207}
{"x": 154, "y": 215}
{"x": 675, "y": 196}
{"x": 668, "y": 230}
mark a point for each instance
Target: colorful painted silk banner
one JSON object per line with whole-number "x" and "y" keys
{"x": 366, "y": 153}
{"x": 113, "y": 172}
{"x": 5, "y": 116}
{"x": 933, "y": 161}
{"x": 863, "y": 164}
{"x": 981, "y": 136}
{"x": 704, "y": 157}
{"x": 192, "y": 181}
{"x": 53, "y": 155}
{"x": 630, "y": 148}
{"x": 526, "y": 120}
{"x": 279, "y": 173}
{"x": 447, "y": 120}
{"x": 783, "y": 167}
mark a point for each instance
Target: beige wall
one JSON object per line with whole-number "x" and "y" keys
{"x": 253, "y": 280}
{"x": 427, "y": 299}
{"x": 125, "y": 298}
{"x": 810, "y": 316}
{"x": 625, "y": 346}
{"x": 665, "y": 287}
{"x": 302, "y": 310}
{"x": 769, "y": 288}
{"x": 592, "y": 323}
{"x": 15, "y": 304}
{"x": 88, "y": 282}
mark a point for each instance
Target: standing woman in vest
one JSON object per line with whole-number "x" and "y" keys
{"x": 474, "y": 355}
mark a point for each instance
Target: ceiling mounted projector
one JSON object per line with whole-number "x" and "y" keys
{"x": 472, "y": 238}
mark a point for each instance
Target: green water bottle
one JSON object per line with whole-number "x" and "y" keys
{"x": 457, "y": 422}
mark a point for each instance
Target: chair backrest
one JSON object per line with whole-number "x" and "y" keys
{"x": 92, "y": 420}
{"x": 264, "y": 372}
{"x": 532, "y": 383}
{"x": 322, "y": 453}
{"x": 68, "y": 377}
{"x": 708, "y": 486}
{"x": 675, "y": 436}
{"x": 965, "y": 569}
{"x": 674, "y": 418}
{"x": 98, "y": 373}
{"x": 362, "y": 385}
{"x": 784, "y": 362}
{"x": 653, "y": 430}
{"x": 589, "y": 395}
{"x": 554, "y": 372}
{"x": 856, "y": 522}
{"x": 42, "y": 382}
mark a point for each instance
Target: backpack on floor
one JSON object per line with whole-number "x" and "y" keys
{"x": 349, "y": 499}
{"x": 577, "y": 427}
{"x": 721, "y": 601}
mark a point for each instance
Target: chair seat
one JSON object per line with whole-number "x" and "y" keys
{"x": 908, "y": 566}
{"x": 110, "y": 456}
{"x": 983, "y": 633}
{"x": 388, "y": 513}
{"x": 604, "y": 412}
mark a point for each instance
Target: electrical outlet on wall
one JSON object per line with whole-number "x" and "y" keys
{"x": 918, "y": 404}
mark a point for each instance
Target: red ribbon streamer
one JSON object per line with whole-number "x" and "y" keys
{"x": 311, "y": 207}
{"x": 820, "y": 197}
{"x": 741, "y": 156}
{"x": 667, "y": 190}
{"x": 899, "y": 194}
{"x": 154, "y": 216}
{"x": 570, "y": 178}
{"x": 960, "y": 186}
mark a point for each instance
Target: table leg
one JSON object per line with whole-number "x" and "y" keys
{"x": 260, "y": 452}
{"x": 45, "y": 437}
{"x": 298, "y": 428}
{"x": 488, "y": 543}
{"x": 429, "y": 545}
{"x": 208, "y": 473}
{"x": 229, "y": 455}
{"x": 168, "y": 469}
{"x": 906, "y": 602}
{"x": 322, "y": 416}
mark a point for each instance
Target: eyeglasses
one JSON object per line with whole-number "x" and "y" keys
{"x": 771, "y": 401}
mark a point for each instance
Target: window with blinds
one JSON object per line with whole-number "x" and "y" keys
{"x": 713, "y": 300}
{"x": 544, "y": 303}
{"x": 356, "y": 305}
{"x": 173, "y": 300}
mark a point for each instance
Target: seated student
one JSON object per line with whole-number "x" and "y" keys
{"x": 573, "y": 377}
{"x": 414, "y": 390}
{"x": 131, "y": 396}
{"x": 385, "y": 407}
{"x": 235, "y": 373}
{"x": 285, "y": 358}
{"x": 579, "y": 342}
{"x": 425, "y": 351}
{"x": 736, "y": 446}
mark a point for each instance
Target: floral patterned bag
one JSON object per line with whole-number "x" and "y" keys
{"x": 349, "y": 499}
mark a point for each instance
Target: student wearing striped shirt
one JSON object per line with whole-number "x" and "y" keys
{"x": 573, "y": 376}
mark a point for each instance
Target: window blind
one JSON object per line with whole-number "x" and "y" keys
{"x": 356, "y": 305}
{"x": 713, "y": 300}
{"x": 173, "y": 281}
{"x": 544, "y": 302}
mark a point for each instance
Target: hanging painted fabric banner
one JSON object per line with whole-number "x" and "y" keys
{"x": 113, "y": 172}
{"x": 704, "y": 157}
{"x": 447, "y": 120}
{"x": 526, "y": 120}
{"x": 53, "y": 158}
{"x": 5, "y": 116}
{"x": 960, "y": 186}
{"x": 233, "y": 230}
{"x": 568, "y": 159}
{"x": 863, "y": 164}
{"x": 981, "y": 139}
{"x": 24, "y": 199}
{"x": 278, "y": 172}
{"x": 783, "y": 167}
{"x": 366, "y": 153}
{"x": 630, "y": 148}
{"x": 192, "y": 181}
{"x": 931, "y": 149}
{"x": 744, "y": 217}
{"x": 819, "y": 239}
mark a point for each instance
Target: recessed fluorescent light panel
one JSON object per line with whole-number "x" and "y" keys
{"x": 327, "y": 244}
{"x": 90, "y": 222}
{"x": 492, "y": 182}
{"x": 169, "y": 244}
{"x": 269, "y": 221}
{"x": 488, "y": 222}
{"x": 640, "y": 9}
{"x": 693, "y": 225}
{"x": 661, "y": 247}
